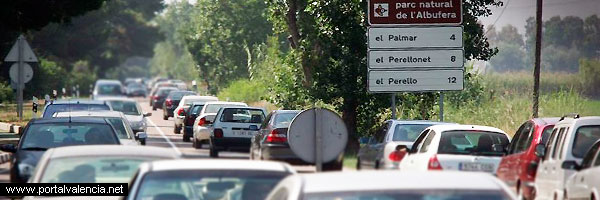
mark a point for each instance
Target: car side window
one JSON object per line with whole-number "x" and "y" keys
{"x": 419, "y": 141}
{"x": 515, "y": 141}
{"x": 427, "y": 142}
{"x": 526, "y": 138}
{"x": 265, "y": 123}
{"x": 597, "y": 162}
{"x": 558, "y": 144}
{"x": 589, "y": 157}
{"x": 550, "y": 145}
{"x": 380, "y": 135}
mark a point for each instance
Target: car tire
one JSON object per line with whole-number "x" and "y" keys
{"x": 177, "y": 129}
{"x": 358, "y": 167}
{"x": 197, "y": 144}
{"x": 377, "y": 164}
{"x": 165, "y": 117}
{"x": 185, "y": 137}
{"x": 213, "y": 152}
{"x": 153, "y": 108}
{"x": 336, "y": 165}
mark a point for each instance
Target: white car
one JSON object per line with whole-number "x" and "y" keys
{"x": 132, "y": 110}
{"x": 95, "y": 164}
{"x": 585, "y": 184}
{"x": 119, "y": 122}
{"x": 571, "y": 137}
{"x": 390, "y": 185}
{"x": 457, "y": 148}
{"x": 201, "y": 131}
{"x": 207, "y": 179}
{"x": 184, "y": 104}
{"x": 233, "y": 128}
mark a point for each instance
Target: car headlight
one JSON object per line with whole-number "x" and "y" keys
{"x": 25, "y": 169}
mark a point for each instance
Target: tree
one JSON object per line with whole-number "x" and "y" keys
{"x": 509, "y": 34}
{"x": 329, "y": 51}
{"x": 591, "y": 41}
{"x": 510, "y": 57}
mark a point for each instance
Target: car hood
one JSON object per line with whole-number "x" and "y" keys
{"x": 134, "y": 118}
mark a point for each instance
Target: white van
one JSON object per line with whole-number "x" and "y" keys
{"x": 571, "y": 138}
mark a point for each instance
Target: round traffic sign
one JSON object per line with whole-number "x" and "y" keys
{"x": 302, "y": 134}
{"x": 27, "y": 72}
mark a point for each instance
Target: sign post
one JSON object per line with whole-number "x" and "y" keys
{"x": 21, "y": 53}
{"x": 415, "y": 46}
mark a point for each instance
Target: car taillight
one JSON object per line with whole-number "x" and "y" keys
{"x": 397, "y": 156}
{"x": 181, "y": 112}
{"x": 155, "y": 97}
{"x": 168, "y": 102}
{"x": 218, "y": 133}
{"x": 434, "y": 163}
{"x": 202, "y": 121}
{"x": 275, "y": 136}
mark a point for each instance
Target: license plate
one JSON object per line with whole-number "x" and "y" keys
{"x": 480, "y": 167}
{"x": 243, "y": 133}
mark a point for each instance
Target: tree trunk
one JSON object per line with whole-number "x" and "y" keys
{"x": 294, "y": 38}
{"x": 349, "y": 115}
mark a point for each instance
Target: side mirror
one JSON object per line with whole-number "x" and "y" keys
{"x": 8, "y": 148}
{"x": 540, "y": 150}
{"x": 570, "y": 165}
{"x": 253, "y": 127}
{"x": 142, "y": 137}
{"x": 147, "y": 114}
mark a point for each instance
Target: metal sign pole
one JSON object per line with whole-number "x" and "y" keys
{"x": 20, "y": 80}
{"x": 318, "y": 140}
{"x": 393, "y": 105}
{"x": 441, "y": 106}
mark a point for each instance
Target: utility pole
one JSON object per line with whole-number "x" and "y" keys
{"x": 538, "y": 52}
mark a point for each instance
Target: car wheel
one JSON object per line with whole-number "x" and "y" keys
{"x": 185, "y": 137}
{"x": 335, "y": 165}
{"x": 153, "y": 108}
{"x": 165, "y": 117}
{"x": 177, "y": 129}
{"x": 377, "y": 164}
{"x": 358, "y": 167}
{"x": 213, "y": 152}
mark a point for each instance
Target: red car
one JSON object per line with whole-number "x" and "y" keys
{"x": 518, "y": 167}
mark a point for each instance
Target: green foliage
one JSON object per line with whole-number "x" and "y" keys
{"x": 243, "y": 90}
{"x": 49, "y": 76}
{"x": 589, "y": 74}
{"x": 509, "y": 58}
{"x": 6, "y": 93}
{"x": 560, "y": 59}
{"x": 473, "y": 93}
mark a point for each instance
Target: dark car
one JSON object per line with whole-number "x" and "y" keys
{"x": 518, "y": 167}
{"x": 271, "y": 141}
{"x": 73, "y": 105}
{"x": 172, "y": 102}
{"x": 136, "y": 90}
{"x": 188, "y": 121}
{"x": 42, "y": 134}
{"x": 159, "y": 97}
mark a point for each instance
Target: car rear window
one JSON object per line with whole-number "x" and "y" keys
{"x": 214, "y": 108}
{"x": 584, "y": 139}
{"x": 66, "y": 134}
{"x": 408, "y": 132}
{"x": 242, "y": 115}
{"x": 54, "y": 108}
{"x": 472, "y": 143}
{"x": 179, "y": 95}
{"x": 436, "y": 194}
{"x": 110, "y": 89}
{"x": 164, "y": 92}
{"x": 283, "y": 120}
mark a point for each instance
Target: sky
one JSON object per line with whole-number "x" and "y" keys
{"x": 516, "y": 12}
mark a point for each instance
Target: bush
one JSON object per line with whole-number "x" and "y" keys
{"x": 6, "y": 93}
{"x": 243, "y": 90}
{"x": 589, "y": 73}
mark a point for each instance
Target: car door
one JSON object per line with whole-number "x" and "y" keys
{"x": 378, "y": 147}
{"x": 508, "y": 165}
{"x": 265, "y": 129}
{"x": 408, "y": 163}
{"x": 583, "y": 179}
{"x": 543, "y": 173}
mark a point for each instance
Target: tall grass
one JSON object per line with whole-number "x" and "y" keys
{"x": 518, "y": 83}
{"x": 508, "y": 112}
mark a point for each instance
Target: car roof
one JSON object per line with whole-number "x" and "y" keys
{"x": 286, "y": 111}
{"x": 116, "y": 98}
{"x": 226, "y": 103}
{"x": 106, "y": 113}
{"x": 449, "y": 127}
{"x": 167, "y": 88}
{"x": 419, "y": 122}
{"x": 395, "y": 180}
{"x": 107, "y": 81}
{"x": 546, "y": 120}
{"x": 95, "y": 120}
{"x": 243, "y": 107}
{"x": 78, "y": 101}
{"x": 197, "y": 97}
{"x": 219, "y": 164}
{"x": 113, "y": 150}
{"x": 580, "y": 120}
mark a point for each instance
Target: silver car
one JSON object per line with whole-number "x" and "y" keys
{"x": 132, "y": 110}
{"x": 376, "y": 151}
{"x": 119, "y": 122}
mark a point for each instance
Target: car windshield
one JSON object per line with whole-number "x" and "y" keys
{"x": 126, "y": 107}
{"x": 214, "y": 108}
{"x": 472, "y": 143}
{"x": 208, "y": 184}
{"x": 584, "y": 139}
{"x": 283, "y": 120}
{"x": 96, "y": 169}
{"x": 411, "y": 195}
{"x": 54, "y": 108}
{"x": 179, "y": 95}
{"x": 242, "y": 115}
{"x": 50, "y": 135}
{"x": 109, "y": 89}
{"x": 408, "y": 132}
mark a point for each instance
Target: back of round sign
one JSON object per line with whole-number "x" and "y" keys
{"x": 302, "y": 135}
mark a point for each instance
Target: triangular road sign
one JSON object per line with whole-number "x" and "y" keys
{"x": 28, "y": 55}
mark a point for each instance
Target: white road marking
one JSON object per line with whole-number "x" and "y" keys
{"x": 164, "y": 136}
